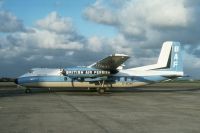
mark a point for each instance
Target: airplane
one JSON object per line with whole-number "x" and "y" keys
{"x": 108, "y": 73}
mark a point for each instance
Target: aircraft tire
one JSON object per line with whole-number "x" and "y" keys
{"x": 101, "y": 90}
{"x": 27, "y": 90}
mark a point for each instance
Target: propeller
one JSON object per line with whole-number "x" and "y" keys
{"x": 62, "y": 71}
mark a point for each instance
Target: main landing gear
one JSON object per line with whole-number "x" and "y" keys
{"x": 27, "y": 90}
{"x": 101, "y": 90}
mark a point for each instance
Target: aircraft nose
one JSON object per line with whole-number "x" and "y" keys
{"x": 16, "y": 81}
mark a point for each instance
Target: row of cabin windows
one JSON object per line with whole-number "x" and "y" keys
{"x": 117, "y": 78}
{"x": 123, "y": 78}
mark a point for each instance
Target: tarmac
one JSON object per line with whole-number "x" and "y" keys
{"x": 154, "y": 109}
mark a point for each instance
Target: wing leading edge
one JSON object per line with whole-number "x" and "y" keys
{"x": 111, "y": 62}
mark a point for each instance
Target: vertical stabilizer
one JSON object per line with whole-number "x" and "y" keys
{"x": 171, "y": 56}
{"x": 164, "y": 54}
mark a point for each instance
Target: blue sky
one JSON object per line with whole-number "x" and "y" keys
{"x": 62, "y": 33}
{"x": 29, "y": 11}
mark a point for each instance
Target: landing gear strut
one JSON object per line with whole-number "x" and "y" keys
{"x": 101, "y": 90}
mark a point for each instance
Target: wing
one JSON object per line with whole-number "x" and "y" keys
{"x": 111, "y": 62}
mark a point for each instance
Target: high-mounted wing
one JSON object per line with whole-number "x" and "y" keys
{"x": 111, "y": 62}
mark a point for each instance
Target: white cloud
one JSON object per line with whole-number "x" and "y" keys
{"x": 10, "y": 23}
{"x": 119, "y": 44}
{"x": 44, "y": 42}
{"x": 165, "y": 13}
{"x": 30, "y": 58}
{"x": 69, "y": 53}
{"x": 149, "y": 23}
{"x": 95, "y": 44}
{"x": 136, "y": 17}
{"x": 100, "y": 14}
{"x": 143, "y": 26}
{"x": 54, "y": 22}
{"x": 48, "y": 57}
{"x": 49, "y": 40}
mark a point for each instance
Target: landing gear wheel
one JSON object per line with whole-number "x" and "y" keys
{"x": 28, "y": 90}
{"x": 101, "y": 90}
{"x": 49, "y": 90}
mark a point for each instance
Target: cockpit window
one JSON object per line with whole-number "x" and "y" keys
{"x": 30, "y": 71}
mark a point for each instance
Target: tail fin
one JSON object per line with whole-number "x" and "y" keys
{"x": 171, "y": 57}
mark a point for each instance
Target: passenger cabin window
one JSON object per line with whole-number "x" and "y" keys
{"x": 121, "y": 78}
{"x": 125, "y": 78}
{"x": 129, "y": 79}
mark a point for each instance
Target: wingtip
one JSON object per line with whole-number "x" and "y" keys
{"x": 118, "y": 55}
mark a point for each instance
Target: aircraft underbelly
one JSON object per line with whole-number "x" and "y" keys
{"x": 83, "y": 84}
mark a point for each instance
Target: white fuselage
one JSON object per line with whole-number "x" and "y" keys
{"x": 52, "y": 78}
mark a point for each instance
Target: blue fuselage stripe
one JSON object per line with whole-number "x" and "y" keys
{"x": 35, "y": 79}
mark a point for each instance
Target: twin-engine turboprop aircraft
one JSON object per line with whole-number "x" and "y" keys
{"x": 108, "y": 73}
